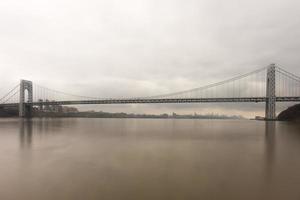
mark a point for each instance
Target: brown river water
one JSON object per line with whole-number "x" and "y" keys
{"x": 136, "y": 159}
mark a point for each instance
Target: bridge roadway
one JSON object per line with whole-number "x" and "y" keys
{"x": 153, "y": 100}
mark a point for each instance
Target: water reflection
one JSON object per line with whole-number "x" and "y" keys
{"x": 25, "y": 133}
{"x": 163, "y": 159}
{"x": 270, "y": 148}
{"x": 28, "y": 128}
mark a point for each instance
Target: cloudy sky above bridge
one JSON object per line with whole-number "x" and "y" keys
{"x": 116, "y": 48}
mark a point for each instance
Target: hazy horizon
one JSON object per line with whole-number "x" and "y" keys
{"x": 143, "y": 48}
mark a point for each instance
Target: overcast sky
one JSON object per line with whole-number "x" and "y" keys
{"x": 117, "y": 48}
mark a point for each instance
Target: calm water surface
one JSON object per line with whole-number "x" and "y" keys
{"x": 136, "y": 159}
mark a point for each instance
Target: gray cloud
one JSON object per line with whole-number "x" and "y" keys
{"x": 142, "y": 47}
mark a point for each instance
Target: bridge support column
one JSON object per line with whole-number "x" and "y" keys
{"x": 271, "y": 94}
{"x": 25, "y": 110}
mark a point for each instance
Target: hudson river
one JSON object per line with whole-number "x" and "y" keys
{"x": 157, "y": 159}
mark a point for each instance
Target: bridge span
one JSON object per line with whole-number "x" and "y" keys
{"x": 156, "y": 101}
{"x": 270, "y": 84}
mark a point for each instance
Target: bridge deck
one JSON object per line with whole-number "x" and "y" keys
{"x": 150, "y": 101}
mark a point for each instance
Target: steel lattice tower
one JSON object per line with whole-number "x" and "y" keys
{"x": 271, "y": 93}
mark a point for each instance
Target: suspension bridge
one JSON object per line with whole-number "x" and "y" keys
{"x": 269, "y": 84}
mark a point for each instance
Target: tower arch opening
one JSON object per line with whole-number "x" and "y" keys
{"x": 26, "y": 96}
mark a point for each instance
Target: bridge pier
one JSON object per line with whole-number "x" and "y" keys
{"x": 271, "y": 93}
{"x": 24, "y": 109}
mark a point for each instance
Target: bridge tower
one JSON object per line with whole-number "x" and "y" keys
{"x": 25, "y": 110}
{"x": 271, "y": 93}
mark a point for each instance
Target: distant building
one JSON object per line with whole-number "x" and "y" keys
{"x": 259, "y": 118}
{"x": 66, "y": 109}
